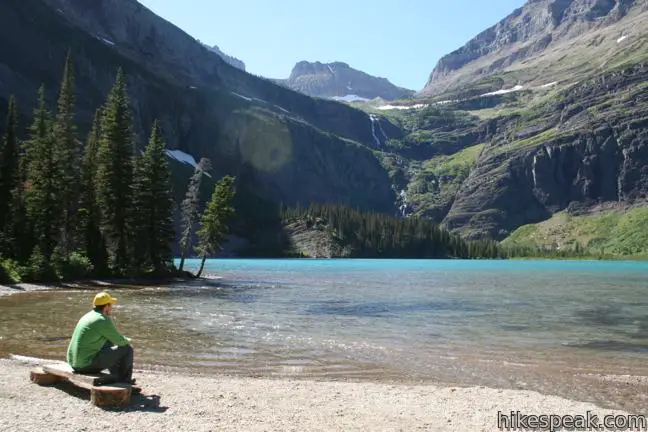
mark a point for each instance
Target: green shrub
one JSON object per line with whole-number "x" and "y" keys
{"x": 77, "y": 267}
{"x": 37, "y": 269}
{"x": 8, "y": 273}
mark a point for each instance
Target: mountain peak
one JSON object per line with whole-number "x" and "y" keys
{"x": 340, "y": 81}
{"x": 539, "y": 29}
{"x": 229, "y": 59}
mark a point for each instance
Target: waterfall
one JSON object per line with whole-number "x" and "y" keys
{"x": 625, "y": 153}
{"x": 374, "y": 120}
{"x": 548, "y": 150}
{"x": 533, "y": 171}
{"x": 382, "y": 131}
{"x": 404, "y": 207}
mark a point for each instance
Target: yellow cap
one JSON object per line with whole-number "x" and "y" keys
{"x": 103, "y": 298}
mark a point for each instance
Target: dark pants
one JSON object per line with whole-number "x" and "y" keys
{"x": 118, "y": 360}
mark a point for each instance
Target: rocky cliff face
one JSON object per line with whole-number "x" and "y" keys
{"x": 228, "y": 58}
{"x": 543, "y": 41}
{"x": 340, "y": 81}
{"x": 299, "y": 149}
{"x": 585, "y": 146}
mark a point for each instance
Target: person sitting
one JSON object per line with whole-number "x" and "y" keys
{"x": 96, "y": 343}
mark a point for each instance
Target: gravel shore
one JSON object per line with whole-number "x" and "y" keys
{"x": 223, "y": 403}
{"x": 22, "y": 288}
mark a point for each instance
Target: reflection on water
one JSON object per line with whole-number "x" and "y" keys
{"x": 547, "y": 326}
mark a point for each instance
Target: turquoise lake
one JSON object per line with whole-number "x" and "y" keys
{"x": 550, "y": 326}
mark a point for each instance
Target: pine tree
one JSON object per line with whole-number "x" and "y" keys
{"x": 154, "y": 204}
{"x": 43, "y": 209}
{"x": 9, "y": 156}
{"x": 115, "y": 174}
{"x": 214, "y": 222}
{"x": 89, "y": 212}
{"x": 12, "y": 216}
{"x": 190, "y": 209}
{"x": 67, "y": 152}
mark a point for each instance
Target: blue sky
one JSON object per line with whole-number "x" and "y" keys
{"x": 399, "y": 40}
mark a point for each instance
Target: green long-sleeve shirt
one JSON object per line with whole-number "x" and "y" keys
{"x": 91, "y": 333}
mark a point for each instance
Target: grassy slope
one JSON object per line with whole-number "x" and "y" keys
{"x": 437, "y": 181}
{"x": 610, "y": 232}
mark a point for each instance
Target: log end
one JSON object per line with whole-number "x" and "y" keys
{"x": 40, "y": 377}
{"x": 111, "y": 395}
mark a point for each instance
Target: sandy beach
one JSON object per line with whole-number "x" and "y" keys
{"x": 223, "y": 403}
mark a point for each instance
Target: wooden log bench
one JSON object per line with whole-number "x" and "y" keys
{"x": 103, "y": 389}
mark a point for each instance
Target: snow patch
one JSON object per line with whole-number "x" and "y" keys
{"x": 242, "y": 97}
{"x": 183, "y": 157}
{"x": 249, "y": 99}
{"x": 349, "y": 88}
{"x": 551, "y": 84}
{"x": 622, "y": 38}
{"x": 107, "y": 41}
{"x": 504, "y": 91}
{"x": 331, "y": 69}
{"x": 401, "y": 107}
{"x": 193, "y": 87}
{"x": 350, "y": 98}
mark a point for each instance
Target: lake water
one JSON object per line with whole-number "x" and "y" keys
{"x": 549, "y": 326}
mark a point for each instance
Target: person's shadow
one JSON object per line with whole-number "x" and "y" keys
{"x": 138, "y": 402}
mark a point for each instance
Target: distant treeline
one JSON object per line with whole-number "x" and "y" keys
{"x": 375, "y": 235}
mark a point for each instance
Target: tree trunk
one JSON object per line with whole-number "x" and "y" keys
{"x": 182, "y": 260}
{"x": 202, "y": 266}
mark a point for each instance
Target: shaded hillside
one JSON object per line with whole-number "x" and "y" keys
{"x": 206, "y": 107}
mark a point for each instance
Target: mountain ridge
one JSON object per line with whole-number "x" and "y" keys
{"x": 535, "y": 38}
{"x": 246, "y": 125}
{"x": 338, "y": 80}
{"x": 228, "y": 58}
{"x": 497, "y": 151}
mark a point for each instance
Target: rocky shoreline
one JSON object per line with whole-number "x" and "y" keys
{"x": 95, "y": 284}
{"x": 209, "y": 403}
